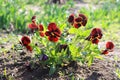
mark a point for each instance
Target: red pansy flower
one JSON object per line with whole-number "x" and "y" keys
{"x": 25, "y": 40}
{"x": 71, "y": 19}
{"x": 77, "y": 22}
{"x": 96, "y": 32}
{"x": 95, "y": 35}
{"x": 81, "y": 20}
{"x": 33, "y": 26}
{"x": 109, "y": 45}
{"x": 53, "y": 32}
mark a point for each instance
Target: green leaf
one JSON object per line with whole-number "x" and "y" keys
{"x": 118, "y": 73}
{"x": 52, "y": 69}
{"x": 72, "y": 30}
{"x": 90, "y": 60}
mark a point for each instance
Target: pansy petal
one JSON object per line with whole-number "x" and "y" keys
{"x": 52, "y": 27}
{"x": 71, "y": 18}
{"x": 41, "y": 34}
{"x": 57, "y": 34}
{"x": 47, "y": 33}
{"x": 109, "y": 45}
{"x": 41, "y": 27}
{"x": 84, "y": 19}
{"x": 95, "y": 41}
{"x": 84, "y": 22}
{"x": 100, "y": 36}
{"x": 82, "y": 16}
{"x": 33, "y": 26}
{"x": 29, "y": 48}
{"x": 33, "y": 18}
{"x": 25, "y": 40}
{"x": 57, "y": 30}
{"x": 78, "y": 19}
{"x": 44, "y": 57}
{"x": 53, "y": 39}
{"x": 77, "y": 25}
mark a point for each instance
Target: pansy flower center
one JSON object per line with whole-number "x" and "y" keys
{"x": 52, "y": 34}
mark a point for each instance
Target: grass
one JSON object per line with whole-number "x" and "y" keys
{"x": 19, "y": 15}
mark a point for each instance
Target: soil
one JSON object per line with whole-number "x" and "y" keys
{"x": 15, "y": 61}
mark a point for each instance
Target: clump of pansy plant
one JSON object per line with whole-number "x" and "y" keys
{"x": 56, "y": 50}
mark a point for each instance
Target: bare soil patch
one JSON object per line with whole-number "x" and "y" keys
{"x": 14, "y": 62}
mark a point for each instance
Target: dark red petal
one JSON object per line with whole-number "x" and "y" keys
{"x": 82, "y": 16}
{"x": 58, "y": 30}
{"x": 47, "y": 33}
{"x": 84, "y": 19}
{"x": 25, "y": 40}
{"x": 33, "y": 21}
{"x": 84, "y": 22}
{"x": 100, "y": 36}
{"x": 109, "y": 45}
{"x": 53, "y": 39}
{"x": 99, "y": 31}
{"x": 41, "y": 34}
{"x": 76, "y": 25}
{"x": 57, "y": 34}
{"x": 33, "y": 26}
{"x": 105, "y": 52}
{"x": 94, "y": 32}
{"x": 34, "y": 17}
{"x": 78, "y": 19}
{"x": 95, "y": 41}
{"x": 29, "y": 48}
{"x": 52, "y": 27}
{"x": 71, "y": 18}
{"x": 41, "y": 27}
